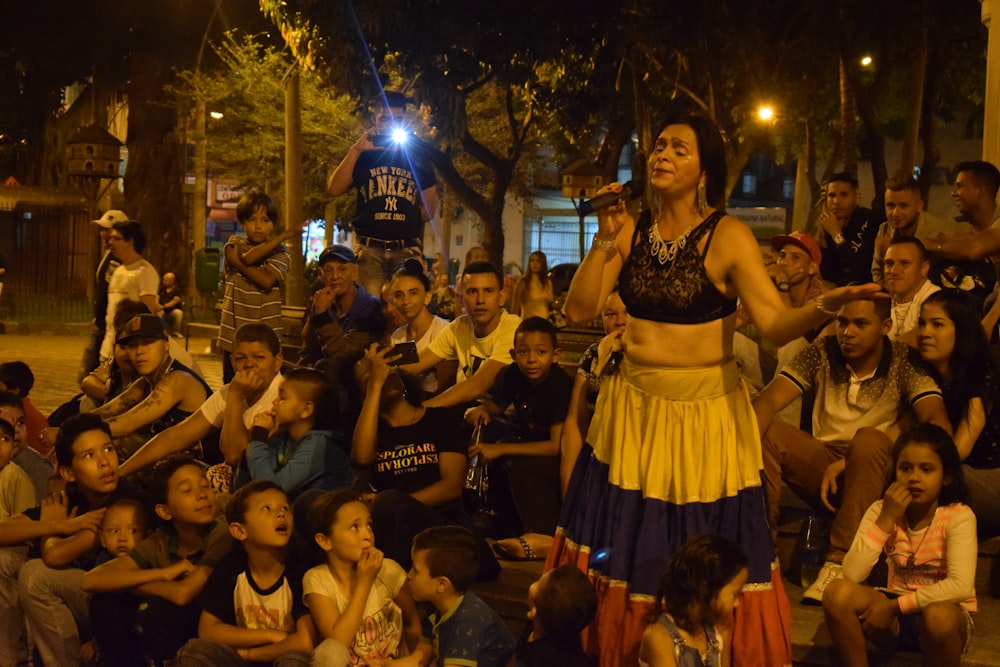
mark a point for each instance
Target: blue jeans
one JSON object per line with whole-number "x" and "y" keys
{"x": 57, "y": 609}
{"x": 12, "y": 638}
{"x": 203, "y": 653}
{"x": 376, "y": 265}
{"x": 331, "y": 652}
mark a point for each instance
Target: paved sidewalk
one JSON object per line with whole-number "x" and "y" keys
{"x": 55, "y": 361}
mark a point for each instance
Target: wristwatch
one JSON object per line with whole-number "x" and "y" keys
{"x": 838, "y": 238}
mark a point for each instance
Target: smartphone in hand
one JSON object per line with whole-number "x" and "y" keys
{"x": 408, "y": 350}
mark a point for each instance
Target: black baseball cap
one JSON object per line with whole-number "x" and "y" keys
{"x": 337, "y": 253}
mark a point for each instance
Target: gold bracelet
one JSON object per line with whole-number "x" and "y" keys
{"x": 603, "y": 244}
{"x": 821, "y": 306}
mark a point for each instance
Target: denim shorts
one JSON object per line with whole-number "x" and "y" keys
{"x": 909, "y": 628}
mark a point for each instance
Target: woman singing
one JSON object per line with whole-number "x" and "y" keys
{"x": 673, "y": 448}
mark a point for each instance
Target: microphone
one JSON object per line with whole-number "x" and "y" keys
{"x": 630, "y": 190}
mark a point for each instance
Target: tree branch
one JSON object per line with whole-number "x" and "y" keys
{"x": 454, "y": 180}
{"x": 671, "y": 80}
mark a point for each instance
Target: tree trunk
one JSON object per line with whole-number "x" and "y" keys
{"x": 154, "y": 177}
{"x": 493, "y": 238}
{"x": 918, "y": 75}
{"x": 932, "y": 152}
{"x": 848, "y": 120}
{"x": 155, "y": 173}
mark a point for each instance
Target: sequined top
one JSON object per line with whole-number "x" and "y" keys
{"x": 677, "y": 291}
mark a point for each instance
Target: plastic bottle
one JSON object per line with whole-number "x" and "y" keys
{"x": 813, "y": 550}
{"x": 474, "y": 470}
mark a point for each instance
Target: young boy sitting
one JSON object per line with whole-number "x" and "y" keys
{"x": 252, "y": 609}
{"x": 303, "y": 452}
{"x": 539, "y": 392}
{"x": 64, "y": 543}
{"x": 16, "y": 490}
{"x": 38, "y": 468}
{"x": 125, "y": 525}
{"x": 170, "y": 567}
{"x": 17, "y": 377}
{"x": 560, "y": 605}
{"x": 464, "y": 630}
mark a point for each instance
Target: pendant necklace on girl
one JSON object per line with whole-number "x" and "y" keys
{"x": 912, "y": 559}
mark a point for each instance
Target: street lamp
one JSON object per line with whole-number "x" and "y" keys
{"x": 765, "y": 113}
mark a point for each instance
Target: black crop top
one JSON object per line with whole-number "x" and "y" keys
{"x": 679, "y": 291}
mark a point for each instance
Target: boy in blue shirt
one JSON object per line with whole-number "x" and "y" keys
{"x": 464, "y": 630}
{"x": 303, "y": 452}
{"x": 252, "y": 608}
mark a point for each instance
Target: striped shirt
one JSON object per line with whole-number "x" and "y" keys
{"x": 244, "y": 302}
{"x": 943, "y": 567}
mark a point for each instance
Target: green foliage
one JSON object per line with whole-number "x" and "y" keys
{"x": 472, "y": 66}
{"x": 248, "y": 142}
{"x": 501, "y": 79}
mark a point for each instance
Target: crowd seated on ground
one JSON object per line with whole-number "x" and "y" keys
{"x": 403, "y": 445}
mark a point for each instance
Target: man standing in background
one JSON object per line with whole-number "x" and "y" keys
{"x": 396, "y": 194}
{"x": 106, "y": 267}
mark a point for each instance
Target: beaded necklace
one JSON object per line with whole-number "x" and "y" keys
{"x": 666, "y": 251}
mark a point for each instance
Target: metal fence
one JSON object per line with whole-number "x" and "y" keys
{"x": 558, "y": 236}
{"x": 38, "y": 308}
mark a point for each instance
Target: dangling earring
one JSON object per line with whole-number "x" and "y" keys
{"x": 702, "y": 199}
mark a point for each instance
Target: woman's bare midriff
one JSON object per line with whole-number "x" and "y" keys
{"x": 678, "y": 345}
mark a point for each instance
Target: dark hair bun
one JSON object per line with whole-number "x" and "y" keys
{"x": 413, "y": 268}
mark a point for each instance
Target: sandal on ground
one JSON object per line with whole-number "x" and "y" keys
{"x": 506, "y": 554}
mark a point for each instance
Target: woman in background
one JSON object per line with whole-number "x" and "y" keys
{"x": 533, "y": 292}
{"x": 409, "y": 290}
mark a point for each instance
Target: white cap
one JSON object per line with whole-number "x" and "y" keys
{"x": 111, "y": 217}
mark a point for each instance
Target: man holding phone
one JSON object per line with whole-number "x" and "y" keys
{"x": 480, "y": 341}
{"x": 396, "y": 194}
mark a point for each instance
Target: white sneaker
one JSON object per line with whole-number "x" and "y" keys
{"x": 814, "y": 594}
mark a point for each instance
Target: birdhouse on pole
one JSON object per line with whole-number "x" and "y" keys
{"x": 581, "y": 179}
{"x": 93, "y": 152}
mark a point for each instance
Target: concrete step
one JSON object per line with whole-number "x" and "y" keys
{"x": 508, "y": 595}
{"x": 811, "y": 643}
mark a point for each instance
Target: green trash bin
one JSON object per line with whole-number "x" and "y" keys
{"x": 207, "y": 269}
